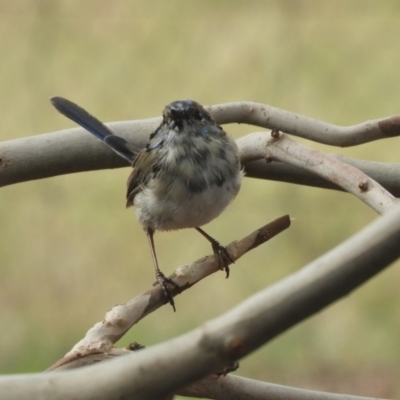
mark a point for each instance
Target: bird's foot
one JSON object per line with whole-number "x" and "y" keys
{"x": 224, "y": 259}
{"x": 163, "y": 281}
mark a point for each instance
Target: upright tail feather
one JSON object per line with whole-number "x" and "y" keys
{"x": 94, "y": 126}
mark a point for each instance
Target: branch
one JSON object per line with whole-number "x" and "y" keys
{"x": 100, "y": 339}
{"x": 65, "y": 152}
{"x": 235, "y": 387}
{"x": 165, "y": 368}
{"x": 270, "y": 117}
{"x": 387, "y": 174}
{"x": 75, "y": 150}
{"x": 280, "y": 147}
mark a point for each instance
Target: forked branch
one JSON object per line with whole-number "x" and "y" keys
{"x": 278, "y": 146}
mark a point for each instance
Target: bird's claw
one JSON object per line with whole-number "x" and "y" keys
{"x": 163, "y": 281}
{"x": 224, "y": 259}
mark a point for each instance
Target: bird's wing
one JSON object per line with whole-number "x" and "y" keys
{"x": 144, "y": 170}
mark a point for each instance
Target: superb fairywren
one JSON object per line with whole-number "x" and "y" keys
{"x": 185, "y": 177}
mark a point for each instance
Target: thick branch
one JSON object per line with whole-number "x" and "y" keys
{"x": 232, "y": 387}
{"x": 74, "y": 150}
{"x": 176, "y": 363}
{"x": 386, "y": 174}
{"x": 65, "y": 152}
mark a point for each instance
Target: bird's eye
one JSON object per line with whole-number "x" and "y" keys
{"x": 197, "y": 115}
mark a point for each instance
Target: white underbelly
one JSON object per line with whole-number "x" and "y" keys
{"x": 186, "y": 210}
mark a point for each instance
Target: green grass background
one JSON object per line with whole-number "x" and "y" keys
{"x": 69, "y": 250}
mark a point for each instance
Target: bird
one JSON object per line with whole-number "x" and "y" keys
{"x": 186, "y": 175}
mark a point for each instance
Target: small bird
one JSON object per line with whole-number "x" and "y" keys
{"x": 185, "y": 177}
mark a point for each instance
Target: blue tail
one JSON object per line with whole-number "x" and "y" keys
{"x": 94, "y": 126}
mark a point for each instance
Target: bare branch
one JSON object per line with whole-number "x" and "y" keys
{"x": 74, "y": 150}
{"x": 232, "y": 387}
{"x": 387, "y": 174}
{"x": 65, "y": 152}
{"x": 278, "y": 146}
{"x": 101, "y": 338}
{"x": 270, "y": 117}
{"x": 176, "y": 363}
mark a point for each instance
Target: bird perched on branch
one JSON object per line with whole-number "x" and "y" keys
{"x": 185, "y": 177}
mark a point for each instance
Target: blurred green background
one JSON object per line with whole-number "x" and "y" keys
{"x": 69, "y": 248}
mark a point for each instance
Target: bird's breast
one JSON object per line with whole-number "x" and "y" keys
{"x": 190, "y": 189}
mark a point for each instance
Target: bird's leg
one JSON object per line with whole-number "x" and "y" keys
{"x": 224, "y": 259}
{"x": 161, "y": 278}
